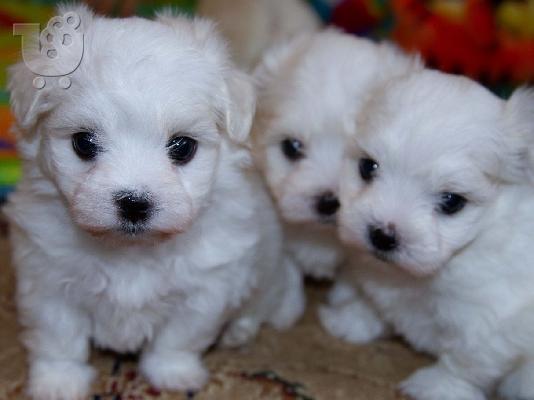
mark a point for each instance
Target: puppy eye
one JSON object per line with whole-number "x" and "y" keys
{"x": 368, "y": 169}
{"x": 85, "y": 146}
{"x": 293, "y": 149}
{"x": 451, "y": 203}
{"x": 181, "y": 149}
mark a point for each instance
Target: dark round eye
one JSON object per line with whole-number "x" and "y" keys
{"x": 293, "y": 149}
{"x": 181, "y": 149}
{"x": 368, "y": 168}
{"x": 85, "y": 146}
{"x": 451, "y": 203}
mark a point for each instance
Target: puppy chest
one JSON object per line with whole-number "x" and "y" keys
{"x": 126, "y": 329}
{"x": 127, "y": 309}
{"x": 414, "y": 314}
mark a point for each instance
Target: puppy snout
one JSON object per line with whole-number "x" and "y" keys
{"x": 327, "y": 204}
{"x": 383, "y": 239}
{"x": 134, "y": 207}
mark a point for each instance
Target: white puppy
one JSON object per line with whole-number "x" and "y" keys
{"x": 309, "y": 93}
{"x": 437, "y": 188}
{"x": 138, "y": 223}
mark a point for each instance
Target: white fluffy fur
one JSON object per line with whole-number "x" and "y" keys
{"x": 311, "y": 89}
{"x": 458, "y": 286}
{"x": 253, "y": 26}
{"x": 213, "y": 239}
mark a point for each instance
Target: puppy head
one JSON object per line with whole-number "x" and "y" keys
{"x": 309, "y": 91}
{"x": 133, "y": 145}
{"x": 434, "y": 152}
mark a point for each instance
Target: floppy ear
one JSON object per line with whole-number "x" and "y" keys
{"x": 519, "y": 114}
{"x": 276, "y": 57}
{"x": 239, "y": 107}
{"x": 274, "y": 63}
{"x": 520, "y": 111}
{"x": 27, "y": 102}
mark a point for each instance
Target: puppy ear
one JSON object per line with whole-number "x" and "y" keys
{"x": 519, "y": 116}
{"x": 239, "y": 107}
{"x": 28, "y": 104}
{"x": 276, "y": 57}
{"x": 274, "y": 64}
{"x": 520, "y": 111}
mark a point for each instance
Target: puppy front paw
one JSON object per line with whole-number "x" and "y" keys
{"x": 436, "y": 383}
{"x": 519, "y": 384}
{"x": 341, "y": 293}
{"x": 179, "y": 371}
{"x": 240, "y": 332}
{"x": 353, "y": 322}
{"x": 59, "y": 380}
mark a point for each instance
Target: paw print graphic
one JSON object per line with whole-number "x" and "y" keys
{"x": 56, "y": 52}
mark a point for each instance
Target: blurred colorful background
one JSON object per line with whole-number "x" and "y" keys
{"x": 491, "y": 41}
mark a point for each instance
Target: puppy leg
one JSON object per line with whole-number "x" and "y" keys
{"x": 240, "y": 331}
{"x": 292, "y": 302}
{"x": 58, "y": 347}
{"x": 244, "y": 327}
{"x": 341, "y": 293}
{"x": 437, "y": 382}
{"x": 465, "y": 376}
{"x": 174, "y": 370}
{"x": 280, "y": 301}
{"x": 173, "y": 360}
{"x": 519, "y": 384}
{"x": 350, "y": 317}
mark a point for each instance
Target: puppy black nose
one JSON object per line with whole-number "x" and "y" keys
{"x": 133, "y": 207}
{"x": 383, "y": 240}
{"x": 327, "y": 204}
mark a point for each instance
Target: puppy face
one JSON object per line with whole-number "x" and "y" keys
{"x": 432, "y": 157}
{"x": 302, "y": 169}
{"x": 133, "y": 145}
{"x": 306, "y": 113}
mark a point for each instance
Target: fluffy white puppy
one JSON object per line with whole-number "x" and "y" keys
{"x": 309, "y": 93}
{"x": 436, "y": 187}
{"x": 138, "y": 224}
{"x": 253, "y": 26}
